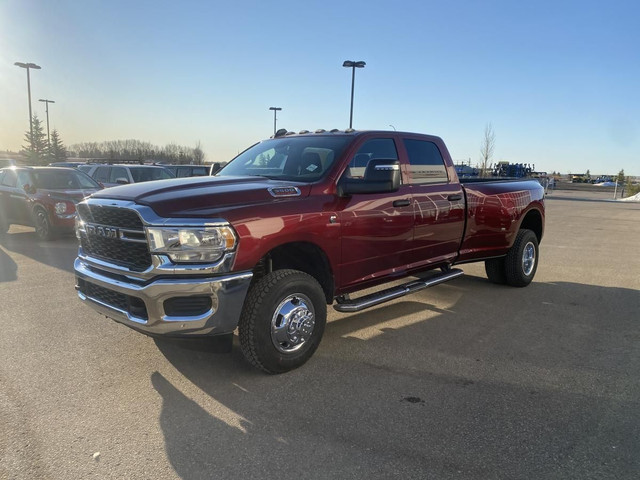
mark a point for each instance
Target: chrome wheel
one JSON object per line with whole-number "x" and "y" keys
{"x": 528, "y": 258}
{"x": 292, "y": 323}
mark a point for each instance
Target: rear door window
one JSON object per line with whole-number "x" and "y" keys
{"x": 200, "y": 171}
{"x": 101, "y": 174}
{"x": 118, "y": 173}
{"x": 426, "y": 164}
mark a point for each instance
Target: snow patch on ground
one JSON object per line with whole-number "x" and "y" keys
{"x": 632, "y": 198}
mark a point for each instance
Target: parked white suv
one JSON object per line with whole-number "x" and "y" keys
{"x": 112, "y": 175}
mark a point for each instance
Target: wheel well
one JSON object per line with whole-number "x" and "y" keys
{"x": 533, "y": 221}
{"x": 302, "y": 256}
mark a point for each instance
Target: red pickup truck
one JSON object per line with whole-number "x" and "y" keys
{"x": 293, "y": 224}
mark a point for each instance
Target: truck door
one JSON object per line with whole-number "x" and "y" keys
{"x": 21, "y": 199}
{"x": 8, "y": 193}
{"x": 377, "y": 229}
{"x": 438, "y": 204}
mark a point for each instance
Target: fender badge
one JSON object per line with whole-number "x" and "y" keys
{"x": 279, "y": 192}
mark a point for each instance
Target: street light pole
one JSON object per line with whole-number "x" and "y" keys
{"x": 275, "y": 112}
{"x": 353, "y": 65}
{"x": 47, "y": 102}
{"x": 35, "y": 67}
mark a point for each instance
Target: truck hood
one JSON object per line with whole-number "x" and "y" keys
{"x": 204, "y": 196}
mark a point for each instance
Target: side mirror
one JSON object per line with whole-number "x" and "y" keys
{"x": 122, "y": 181}
{"x": 30, "y": 189}
{"x": 380, "y": 176}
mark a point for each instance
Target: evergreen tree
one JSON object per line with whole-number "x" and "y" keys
{"x": 57, "y": 150}
{"x": 36, "y": 143}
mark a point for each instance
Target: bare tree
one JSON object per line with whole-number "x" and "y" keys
{"x": 487, "y": 147}
{"x": 198, "y": 154}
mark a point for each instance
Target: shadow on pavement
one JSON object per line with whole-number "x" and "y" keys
{"x": 59, "y": 253}
{"x": 8, "y": 268}
{"x": 512, "y": 383}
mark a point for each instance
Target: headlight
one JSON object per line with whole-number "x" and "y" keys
{"x": 191, "y": 244}
{"x": 61, "y": 207}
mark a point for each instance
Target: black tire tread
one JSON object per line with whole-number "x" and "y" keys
{"x": 513, "y": 268}
{"x": 495, "y": 270}
{"x": 253, "y": 306}
{"x": 50, "y": 233}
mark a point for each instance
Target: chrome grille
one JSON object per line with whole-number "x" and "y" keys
{"x": 113, "y": 249}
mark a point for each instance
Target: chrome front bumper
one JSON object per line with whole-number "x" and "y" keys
{"x": 227, "y": 293}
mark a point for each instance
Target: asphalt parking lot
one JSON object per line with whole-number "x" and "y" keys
{"x": 467, "y": 380}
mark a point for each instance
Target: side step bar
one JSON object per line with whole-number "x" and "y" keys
{"x": 373, "y": 299}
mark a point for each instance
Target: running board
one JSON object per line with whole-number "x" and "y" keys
{"x": 373, "y": 299}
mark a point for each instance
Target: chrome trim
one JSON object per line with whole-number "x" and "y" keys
{"x": 528, "y": 258}
{"x": 392, "y": 293}
{"x": 386, "y": 167}
{"x": 227, "y": 296}
{"x": 162, "y": 265}
{"x": 150, "y": 218}
{"x": 123, "y": 231}
{"x": 290, "y": 191}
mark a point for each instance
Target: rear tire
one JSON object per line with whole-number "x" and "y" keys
{"x": 282, "y": 321}
{"x": 521, "y": 262}
{"x": 496, "y": 270}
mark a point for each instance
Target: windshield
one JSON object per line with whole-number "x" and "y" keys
{"x": 304, "y": 159}
{"x": 63, "y": 180}
{"x": 145, "y": 174}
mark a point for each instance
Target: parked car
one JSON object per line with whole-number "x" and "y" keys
{"x": 188, "y": 170}
{"x": 216, "y": 167}
{"x": 112, "y": 175}
{"x": 66, "y": 164}
{"x": 42, "y": 197}
{"x": 294, "y": 224}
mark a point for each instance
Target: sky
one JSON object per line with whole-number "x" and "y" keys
{"x": 558, "y": 81}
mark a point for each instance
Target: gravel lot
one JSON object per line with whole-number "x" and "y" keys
{"x": 467, "y": 380}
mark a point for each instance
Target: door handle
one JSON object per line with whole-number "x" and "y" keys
{"x": 401, "y": 203}
{"x": 454, "y": 198}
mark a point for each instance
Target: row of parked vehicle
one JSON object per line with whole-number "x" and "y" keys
{"x": 45, "y": 197}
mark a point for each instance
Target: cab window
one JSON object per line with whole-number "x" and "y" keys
{"x": 378, "y": 148}
{"x": 426, "y": 164}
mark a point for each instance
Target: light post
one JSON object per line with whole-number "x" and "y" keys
{"x": 35, "y": 67}
{"x": 394, "y": 128}
{"x": 353, "y": 65}
{"x": 275, "y": 112}
{"x": 47, "y": 102}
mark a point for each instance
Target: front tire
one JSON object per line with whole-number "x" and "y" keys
{"x": 44, "y": 230}
{"x": 521, "y": 262}
{"x": 282, "y": 321}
